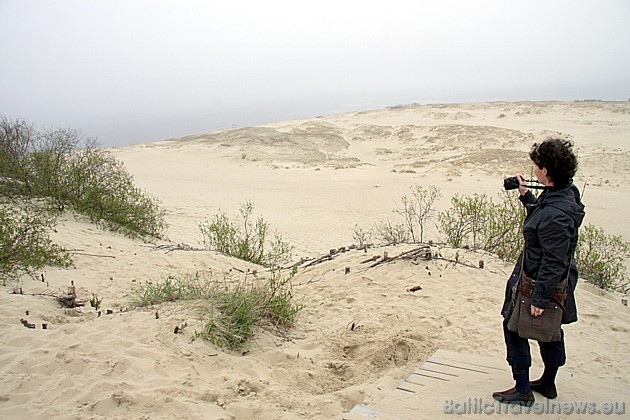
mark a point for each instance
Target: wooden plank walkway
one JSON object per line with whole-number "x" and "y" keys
{"x": 450, "y": 383}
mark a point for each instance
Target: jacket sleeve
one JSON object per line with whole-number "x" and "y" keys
{"x": 528, "y": 199}
{"x": 554, "y": 233}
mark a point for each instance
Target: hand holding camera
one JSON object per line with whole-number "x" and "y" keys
{"x": 514, "y": 182}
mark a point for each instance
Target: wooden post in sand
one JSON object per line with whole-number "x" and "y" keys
{"x": 69, "y": 300}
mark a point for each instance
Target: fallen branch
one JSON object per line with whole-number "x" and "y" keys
{"x": 297, "y": 264}
{"x": 423, "y": 251}
{"x": 94, "y": 255}
{"x": 457, "y": 262}
{"x": 175, "y": 247}
{"x": 331, "y": 255}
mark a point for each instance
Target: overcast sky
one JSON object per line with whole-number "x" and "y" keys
{"x": 130, "y": 71}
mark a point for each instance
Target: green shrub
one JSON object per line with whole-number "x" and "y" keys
{"x": 496, "y": 227}
{"x": 481, "y": 223}
{"x": 502, "y": 234}
{"x": 25, "y": 245}
{"x": 231, "y": 311}
{"x": 103, "y": 190}
{"x": 245, "y": 239}
{"x": 71, "y": 171}
{"x": 16, "y": 142}
{"x": 463, "y": 222}
{"x": 600, "y": 258}
{"x": 171, "y": 289}
{"x": 238, "y": 309}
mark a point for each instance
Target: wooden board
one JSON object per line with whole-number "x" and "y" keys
{"x": 448, "y": 383}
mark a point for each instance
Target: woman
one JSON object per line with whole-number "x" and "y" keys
{"x": 551, "y": 233}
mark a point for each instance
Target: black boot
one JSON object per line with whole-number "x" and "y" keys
{"x": 512, "y": 396}
{"x": 547, "y": 391}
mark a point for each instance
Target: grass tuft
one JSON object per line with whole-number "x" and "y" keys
{"x": 230, "y": 312}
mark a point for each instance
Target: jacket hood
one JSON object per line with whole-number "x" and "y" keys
{"x": 566, "y": 199}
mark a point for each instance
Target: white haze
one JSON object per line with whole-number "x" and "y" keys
{"x": 129, "y": 71}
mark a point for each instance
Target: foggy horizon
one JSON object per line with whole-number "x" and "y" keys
{"x": 131, "y": 72}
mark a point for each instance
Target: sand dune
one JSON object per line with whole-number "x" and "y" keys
{"x": 313, "y": 181}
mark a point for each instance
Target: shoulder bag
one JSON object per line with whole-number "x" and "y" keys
{"x": 545, "y": 327}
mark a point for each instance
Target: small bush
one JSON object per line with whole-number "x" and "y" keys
{"x": 417, "y": 209}
{"x": 102, "y": 189}
{"x": 502, "y": 234}
{"x": 463, "y": 222}
{"x": 245, "y": 239}
{"x": 481, "y": 223}
{"x": 237, "y": 309}
{"x": 391, "y": 233}
{"x": 95, "y": 301}
{"x": 600, "y": 258}
{"x": 70, "y": 171}
{"x": 232, "y": 310}
{"x": 16, "y": 142}
{"x": 25, "y": 245}
{"x": 361, "y": 236}
{"x": 171, "y": 289}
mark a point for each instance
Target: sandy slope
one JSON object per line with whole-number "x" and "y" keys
{"x": 313, "y": 181}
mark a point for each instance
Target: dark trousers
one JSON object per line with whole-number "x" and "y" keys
{"x": 519, "y": 357}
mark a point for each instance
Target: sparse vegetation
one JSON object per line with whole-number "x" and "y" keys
{"x": 600, "y": 258}
{"x": 417, "y": 209}
{"x": 391, "y": 233}
{"x": 67, "y": 170}
{"x": 503, "y": 231}
{"x": 24, "y": 243}
{"x": 95, "y": 302}
{"x": 361, "y": 236}
{"x": 480, "y": 223}
{"x": 43, "y": 173}
{"x": 231, "y": 311}
{"x": 245, "y": 239}
{"x": 173, "y": 288}
{"x": 463, "y": 222}
{"x": 496, "y": 227}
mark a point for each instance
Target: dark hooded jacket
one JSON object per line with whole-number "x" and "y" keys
{"x": 551, "y": 233}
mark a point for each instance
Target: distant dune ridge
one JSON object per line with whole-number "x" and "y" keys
{"x": 360, "y": 332}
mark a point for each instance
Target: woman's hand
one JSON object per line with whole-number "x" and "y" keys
{"x": 536, "y": 311}
{"x": 522, "y": 189}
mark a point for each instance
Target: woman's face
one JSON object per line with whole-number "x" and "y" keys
{"x": 541, "y": 174}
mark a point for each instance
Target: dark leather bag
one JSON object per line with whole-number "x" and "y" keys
{"x": 545, "y": 327}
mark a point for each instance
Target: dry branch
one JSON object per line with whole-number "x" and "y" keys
{"x": 328, "y": 257}
{"x": 94, "y": 255}
{"x": 175, "y": 247}
{"x": 423, "y": 252}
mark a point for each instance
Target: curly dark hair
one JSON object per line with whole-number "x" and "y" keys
{"x": 557, "y": 156}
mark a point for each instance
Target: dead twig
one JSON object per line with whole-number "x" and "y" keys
{"x": 328, "y": 257}
{"x": 175, "y": 247}
{"x": 94, "y": 255}
{"x": 455, "y": 262}
{"x": 423, "y": 251}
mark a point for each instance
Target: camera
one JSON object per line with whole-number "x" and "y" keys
{"x": 511, "y": 183}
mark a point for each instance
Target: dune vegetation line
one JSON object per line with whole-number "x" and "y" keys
{"x": 46, "y": 173}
